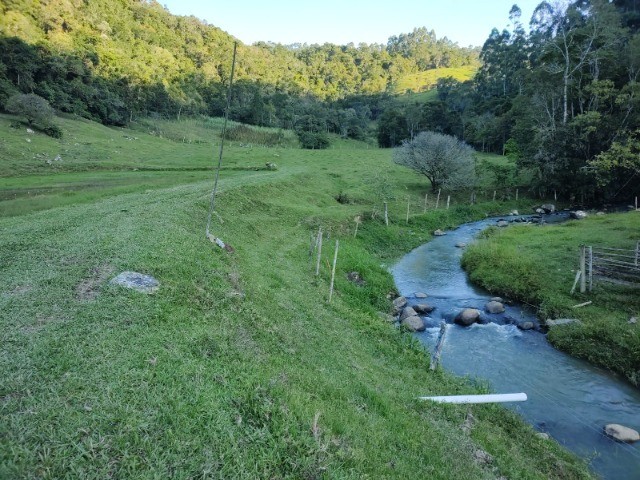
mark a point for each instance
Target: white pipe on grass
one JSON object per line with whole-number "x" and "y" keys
{"x": 492, "y": 398}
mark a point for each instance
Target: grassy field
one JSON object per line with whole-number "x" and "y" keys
{"x": 238, "y": 367}
{"x": 538, "y": 265}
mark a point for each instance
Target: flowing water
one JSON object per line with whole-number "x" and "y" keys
{"x": 567, "y": 398}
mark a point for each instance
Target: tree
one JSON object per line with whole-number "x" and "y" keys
{"x": 32, "y": 107}
{"x": 444, "y": 160}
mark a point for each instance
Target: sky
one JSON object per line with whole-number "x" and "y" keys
{"x": 467, "y": 22}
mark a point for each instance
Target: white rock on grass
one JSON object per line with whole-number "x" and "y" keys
{"x": 137, "y": 281}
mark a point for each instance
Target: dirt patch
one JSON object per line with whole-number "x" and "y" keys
{"x": 42, "y": 321}
{"x": 89, "y": 288}
{"x": 20, "y": 290}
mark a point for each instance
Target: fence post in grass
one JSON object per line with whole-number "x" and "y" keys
{"x": 386, "y": 214}
{"x": 319, "y": 251}
{"x": 426, "y": 196}
{"x": 494, "y": 195}
{"x": 408, "y": 207}
{"x": 555, "y": 194}
{"x": 637, "y": 252}
{"x": 333, "y": 270}
{"x": 590, "y": 269}
{"x": 517, "y": 192}
{"x": 358, "y": 220}
{"x": 448, "y": 201}
{"x": 583, "y": 276}
{"x": 438, "y": 199}
{"x": 636, "y": 204}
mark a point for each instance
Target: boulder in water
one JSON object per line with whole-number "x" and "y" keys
{"x": 494, "y": 307}
{"x": 423, "y": 308}
{"x": 502, "y": 223}
{"x": 578, "y": 215}
{"x": 467, "y": 316}
{"x": 407, "y": 312}
{"x": 414, "y": 324}
{"x": 548, "y": 207}
{"x": 526, "y": 325}
{"x": 420, "y": 295}
{"x": 621, "y": 433}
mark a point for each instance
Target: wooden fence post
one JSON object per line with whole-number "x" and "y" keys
{"x": 583, "y": 276}
{"x": 637, "y": 252}
{"x": 358, "y": 220}
{"x": 386, "y": 214}
{"x": 494, "y": 195}
{"x": 408, "y": 207}
{"x": 319, "y": 251}
{"x": 517, "y": 192}
{"x": 590, "y": 268}
{"x": 438, "y": 199}
{"x": 333, "y": 270}
{"x": 448, "y": 201}
{"x": 435, "y": 359}
{"x": 426, "y": 197}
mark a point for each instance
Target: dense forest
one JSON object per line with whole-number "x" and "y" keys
{"x": 114, "y": 60}
{"x": 561, "y": 99}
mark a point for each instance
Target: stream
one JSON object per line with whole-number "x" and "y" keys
{"x": 568, "y": 398}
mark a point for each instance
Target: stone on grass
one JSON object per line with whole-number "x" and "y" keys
{"x": 543, "y": 435}
{"x": 423, "y": 308}
{"x": 137, "y": 281}
{"x": 578, "y": 215}
{"x": 514, "y": 213}
{"x": 561, "y": 321}
{"x": 439, "y": 233}
{"x": 407, "y": 312}
{"x": 621, "y": 433}
{"x": 502, "y": 223}
{"x": 494, "y": 307}
{"x": 414, "y": 324}
{"x": 632, "y": 321}
{"x": 387, "y": 318}
{"x": 468, "y": 316}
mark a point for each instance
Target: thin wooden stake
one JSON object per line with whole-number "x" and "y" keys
{"x": 494, "y": 195}
{"x": 555, "y": 195}
{"x": 333, "y": 270}
{"x": 438, "y": 199}
{"x": 408, "y": 207}
{"x": 590, "y": 268}
{"x": 319, "y": 251}
{"x": 575, "y": 282}
{"x": 426, "y": 197}
{"x": 358, "y": 220}
{"x": 637, "y": 252}
{"x": 636, "y": 203}
{"x": 448, "y": 201}
{"x": 517, "y": 193}
{"x": 386, "y": 214}
{"x": 583, "y": 276}
{"x": 582, "y": 304}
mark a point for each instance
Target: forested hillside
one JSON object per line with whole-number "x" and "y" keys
{"x": 112, "y": 60}
{"x": 562, "y": 100}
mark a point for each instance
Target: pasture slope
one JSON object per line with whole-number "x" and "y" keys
{"x": 237, "y": 367}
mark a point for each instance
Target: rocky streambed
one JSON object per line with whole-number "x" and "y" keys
{"x": 501, "y": 343}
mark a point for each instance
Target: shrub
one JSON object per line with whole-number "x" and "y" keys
{"x": 313, "y": 140}
{"x": 53, "y": 130}
{"x": 32, "y": 107}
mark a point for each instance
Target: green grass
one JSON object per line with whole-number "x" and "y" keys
{"x": 237, "y": 367}
{"x": 538, "y": 265}
{"x": 425, "y": 81}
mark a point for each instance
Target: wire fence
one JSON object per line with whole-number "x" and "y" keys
{"x": 604, "y": 264}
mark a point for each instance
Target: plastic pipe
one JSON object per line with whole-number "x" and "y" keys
{"x": 493, "y": 398}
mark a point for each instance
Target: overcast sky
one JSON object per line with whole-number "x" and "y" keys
{"x": 467, "y": 22}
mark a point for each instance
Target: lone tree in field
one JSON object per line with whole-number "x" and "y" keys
{"x": 32, "y": 107}
{"x": 444, "y": 160}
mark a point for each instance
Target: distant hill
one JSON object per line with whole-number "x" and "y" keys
{"x": 110, "y": 60}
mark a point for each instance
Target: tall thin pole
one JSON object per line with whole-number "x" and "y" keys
{"x": 224, "y": 133}
{"x": 333, "y": 270}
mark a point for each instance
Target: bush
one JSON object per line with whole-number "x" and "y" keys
{"x": 314, "y": 140}
{"x": 32, "y": 107}
{"x": 53, "y": 131}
